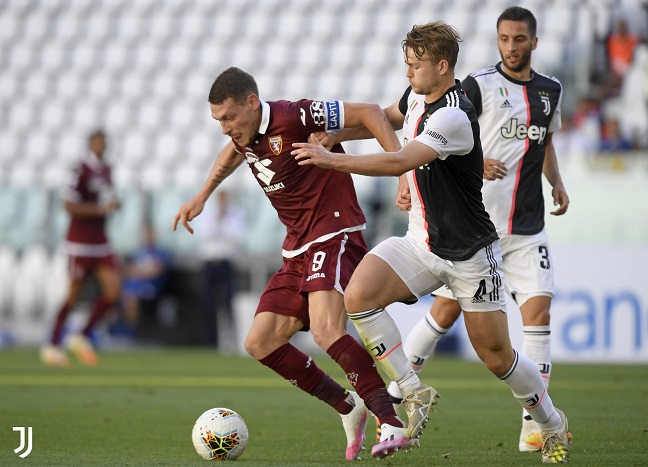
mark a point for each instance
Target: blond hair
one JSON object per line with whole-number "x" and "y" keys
{"x": 438, "y": 40}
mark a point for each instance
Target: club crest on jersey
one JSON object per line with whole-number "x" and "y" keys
{"x": 276, "y": 144}
{"x": 546, "y": 104}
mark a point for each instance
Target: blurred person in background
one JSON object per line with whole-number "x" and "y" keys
{"x": 451, "y": 241}
{"x": 221, "y": 231}
{"x": 323, "y": 245}
{"x": 612, "y": 139}
{"x": 621, "y": 44}
{"x": 146, "y": 274}
{"x": 89, "y": 199}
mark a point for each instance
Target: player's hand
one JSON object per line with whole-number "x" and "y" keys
{"x": 188, "y": 212}
{"x": 560, "y": 199}
{"x": 328, "y": 138}
{"x": 403, "y": 195}
{"x": 313, "y": 153}
{"x": 494, "y": 169}
{"x": 111, "y": 206}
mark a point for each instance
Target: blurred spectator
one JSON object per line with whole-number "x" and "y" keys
{"x": 611, "y": 138}
{"x": 620, "y": 47}
{"x": 587, "y": 122}
{"x": 633, "y": 114}
{"x": 570, "y": 141}
{"x": 221, "y": 231}
{"x": 145, "y": 279}
{"x": 89, "y": 199}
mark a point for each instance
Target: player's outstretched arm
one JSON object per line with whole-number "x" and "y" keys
{"x": 226, "y": 162}
{"x": 355, "y": 130}
{"x": 374, "y": 119}
{"x": 414, "y": 154}
{"x": 552, "y": 174}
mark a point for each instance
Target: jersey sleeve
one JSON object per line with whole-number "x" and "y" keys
{"x": 448, "y": 131}
{"x": 402, "y": 104}
{"x": 471, "y": 88}
{"x": 556, "y": 119}
{"x": 321, "y": 115}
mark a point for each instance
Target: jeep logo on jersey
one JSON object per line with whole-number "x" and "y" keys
{"x": 546, "y": 104}
{"x": 276, "y": 144}
{"x": 520, "y": 131}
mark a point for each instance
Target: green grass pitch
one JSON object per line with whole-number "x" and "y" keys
{"x": 138, "y": 407}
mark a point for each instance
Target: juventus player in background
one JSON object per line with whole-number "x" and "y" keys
{"x": 518, "y": 110}
{"x": 450, "y": 240}
{"x": 89, "y": 198}
{"x": 322, "y": 247}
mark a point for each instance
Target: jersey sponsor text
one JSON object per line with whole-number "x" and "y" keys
{"x": 520, "y": 131}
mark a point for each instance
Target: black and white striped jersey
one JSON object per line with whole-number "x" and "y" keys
{"x": 447, "y": 216}
{"x": 515, "y": 118}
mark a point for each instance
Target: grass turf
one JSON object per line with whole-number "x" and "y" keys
{"x": 138, "y": 407}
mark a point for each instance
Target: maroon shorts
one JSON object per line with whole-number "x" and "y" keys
{"x": 80, "y": 267}
{"x": 324, "y": 266}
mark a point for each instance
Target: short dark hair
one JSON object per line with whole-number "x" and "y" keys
{"x": 232, "y": 83}
{"x": 98, "y": 133}
{"x": 517, "y": 13}
{"x": 437, "y": 39}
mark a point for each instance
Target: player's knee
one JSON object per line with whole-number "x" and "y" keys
{"x": 497, "y": 363}
{"x": 324, "y": 337}
{"x": 355, "y": 300}
{"x": 253, "y": 347}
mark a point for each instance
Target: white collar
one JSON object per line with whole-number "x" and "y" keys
{"x": 265, "y": 116}
{"x": 93, "y": 161}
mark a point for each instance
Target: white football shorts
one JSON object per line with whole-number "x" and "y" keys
{"x": 528, "y": 267}
{"x": 477, "y": 282}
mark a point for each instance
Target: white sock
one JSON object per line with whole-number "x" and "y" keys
{"x": 537, "y": 346}
{"x": 382, "y": 339}
{"x": 422, "y": 340}
{"x": 528, "y": 388}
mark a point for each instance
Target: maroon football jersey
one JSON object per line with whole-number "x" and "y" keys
{"x": 313, "y": 203}
{"x": 91, "y": 182}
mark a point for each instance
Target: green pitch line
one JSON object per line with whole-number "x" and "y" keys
{"x": 129, "y": 380}
{"x": 249, "y": 382}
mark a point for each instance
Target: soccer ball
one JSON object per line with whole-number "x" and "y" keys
{"x": 220, "y": 434}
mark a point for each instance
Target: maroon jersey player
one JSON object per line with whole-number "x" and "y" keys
{"x": 323, "y": 244}
{"x": 88, "y": 198}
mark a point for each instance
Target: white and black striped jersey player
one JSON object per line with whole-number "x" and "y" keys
{"x": 515, "y": 118}
{"x": 447, "y": 216}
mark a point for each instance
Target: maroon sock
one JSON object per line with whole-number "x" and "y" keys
{"x": 361, "y": 372}
{"x": 300, "y": 370}
{"x": 99, "y": 309}
{"x": 60, "y": 321}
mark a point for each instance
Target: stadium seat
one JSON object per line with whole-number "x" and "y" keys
{"x": 125, "y": 225}
{"x": 52, "y": 56}
{"x": 8, "y": 263}
{"x": 558, "y": 22}
{"x": 56, "y": 286}
{"x": 29, "y": 276}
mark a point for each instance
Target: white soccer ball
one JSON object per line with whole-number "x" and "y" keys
{"x": 220, "y": 434}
